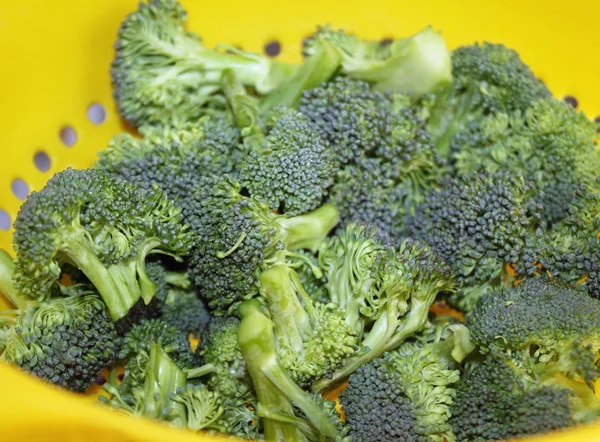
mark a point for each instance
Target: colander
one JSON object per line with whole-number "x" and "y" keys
{"x": 57, "y": 111}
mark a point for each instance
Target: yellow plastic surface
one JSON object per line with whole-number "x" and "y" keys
{"x": 55, "y": 59}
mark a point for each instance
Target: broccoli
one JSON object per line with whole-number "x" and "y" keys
{"x": 103, "y": 225}
{"x": 288, "y": 166}
{"x": 488, "y": 78}
{"x": 558, "y": 325}
{"x": 314, "y": 286}
{"x": 173, "y": 158}
{"x": 419, "y": 64}
{"x": 407, "y": 394}
{"x": 67, "y": 341}
{"x": 388, "y": 160}
{"x": 277, "y": 393}
{"x": 239, "y": 235}
{"x": 550, "y": 144}
{"x": 479, "y": 224}
{"x": 163, "y": 74}
{"x": 391, "y": 287}
{"x": 219, "y": 347}
{"x": 184, "y": 310}
{"x": 503, "y": 397}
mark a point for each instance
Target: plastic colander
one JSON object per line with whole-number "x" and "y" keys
{"x": 56, "y": 111}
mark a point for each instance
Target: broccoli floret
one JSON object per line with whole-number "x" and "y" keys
{"x": 388, "y": 159}
{"x": 136, "y": 347}
{"x": 314, "y": 286}
{"x": 65, "y": 340}
{"x": 420, "y": 63}
{"x": 479, "y": 224}
{"x": 239, "y": 235}
{"x": 406, "y": 395}
{"x": 389, "y": 288}
{"x": 550, "y": 144}
{"x": 559, "y": 326}
{"x": 103, "y": 225}
{"x": 288, "y": 165}
{"x": 219, "y": 347}
{"x": 173, "y": 158}
{"x": 240, "y": 421}
{"x": 185, "y": 311}
{"x": 503, "y": 398}
{"x": 488, "y": 78}
{"x": 277, "y": 393}
{"x": 163, "y": 74}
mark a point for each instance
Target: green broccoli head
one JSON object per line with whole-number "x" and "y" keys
{"x": 478, "y": 223}
{"x": 239, "y": 236}
{"x": 163, "y": 74}
{"x": 557, "y": 324}
{"x": 184, "y": 310}
{"x": 104, "y": 226}
{"x": 488, "y": 78}
{"x": 67, "y": 341}
{"x": 292, "y": 169}
{"x": 549, "y": 143}
{"x": 219, "y": 347}
{"x": 502, "y": 398}
{"x": 173, "y": 158}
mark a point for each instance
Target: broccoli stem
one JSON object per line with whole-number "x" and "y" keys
{"x": 198, "y": 372}
{"x": 116, "y": 285}
{"x": 275, "y": 390}
{"x": 309, "y": 230}
{"x": 7, "y": 288}
{"x": 292, "y": 323}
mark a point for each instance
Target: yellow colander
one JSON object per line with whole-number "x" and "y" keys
{"x": 56, "y": 111}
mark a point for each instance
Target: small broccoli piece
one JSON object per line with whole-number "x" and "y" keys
{"x": 420, "y": 63}
{"x": 388, "y": 158}
{"x": 277, "y": 393}
{"x": 103, "y": 225}
{"x": 136, "y": 347}
{"x": 406, "y": 395}
{"x": 239, "y": 235}
{"x": 67, "y": 341}
{"x": 488, "y": 78}
{"x": 185, "y": 311}
{"x": 550, "y": 144}
{"x": 389, "y": 288}
{"x": 199, "y": 408}
{"x": 219, "y": 347}
{"x": 163, "y": 74}
{"x": 479, "y": 224}
{"x": 559, "y": 326}
{"x": 503, "y": 398}
{"x": 315, "y": 287}
{"x": 173, "y": 158}
{"x": 240, "y": 421}
{"x": 288, "y": 166}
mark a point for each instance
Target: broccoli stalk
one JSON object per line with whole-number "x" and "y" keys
{"x": 276, "y": 391}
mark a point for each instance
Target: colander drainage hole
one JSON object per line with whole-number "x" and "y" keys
{"x": 42, "y": 161}
{"x": 272, "y": 48}
{"x": 4, "y": 220}
{"x": 68, "y": 136}
{"x": 571, "y": 100}
{"x": 96, "y": 113}
{"x": 19, "y": 188}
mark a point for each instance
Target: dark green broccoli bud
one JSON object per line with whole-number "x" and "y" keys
{"x": 314, "y": 287}
{"x": 66, "y": 341}
{"x": 136, "y": 348}
{"x": 420, "y": 63}
{"x": 184, "y": 310}
{"x": 406, "y": 395}
{"x": 504, "y": 398}
{"x": 139, "y": 313}
{"x": 313, "y": 339}
{"x": 488, "y": 78}
{"x": 239, "y": 235}
{"x": 550, "y": 144}
{"x": 163, "y": 74}
{"x": 478, "y": 223}
{"x": 103, "y": 225}
{"x": 559, "y": 326}
{"x": 275, "y": 390}
{"x": 288, "y": 165}
{"x": 219, "y": 347}
{"x": 399, "y": 284}
{"x": 173, "y": 158}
